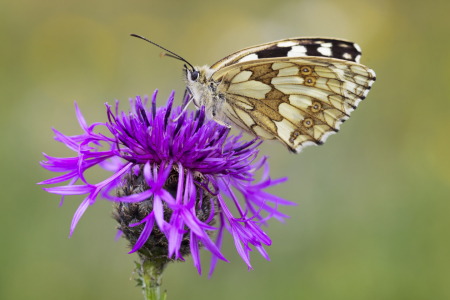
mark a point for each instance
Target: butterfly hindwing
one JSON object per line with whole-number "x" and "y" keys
{"x": 299, "y": 101}
{"x": 295, "y": 47}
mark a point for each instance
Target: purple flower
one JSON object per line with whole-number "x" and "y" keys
{"x": 147, "y": 145}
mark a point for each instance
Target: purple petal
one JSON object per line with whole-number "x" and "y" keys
{"x": 133, "y": 198}
{"x": 76, "y": 217}
{"x": 72, "y": 182}
{"x": 72, "y": 145}
{"x": 276, "y": 199}
{"x": 262, "y": 251}
{"x": 159, "y": 212}
{"x": 61, "y": 178}
{"x": 180, "y": 183}
{"x": 148, "y": 217}
{"x": 218, "y": 245}
{"x": 118, "y": 235}
{"x": 148, "y": 174}
{"x": 195, "y": 252}
{"x": 80, "y": 118}
{"x": 70, "y": 189}
{"x": 144, "y": 235}
{"x": 114, "y": 165}
{"x": 239, "y": 248}
{"x": 191, "y": 222}
{"x": 167, "y": 197}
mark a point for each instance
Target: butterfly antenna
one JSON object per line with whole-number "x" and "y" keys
{"x": 174, "y": 55}
{"x": 169, "y": 55}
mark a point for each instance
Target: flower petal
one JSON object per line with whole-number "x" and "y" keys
{"x": 144, "y": 235}
{"x": 118, "y": 235}
{"x": 80, "y": 118}
{"x": 70, "y": 189}
{"x": 76, "y": 217}
{"x": 195, "y": 252}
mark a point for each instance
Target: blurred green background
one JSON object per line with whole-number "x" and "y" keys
{"x": 372, "y": 220}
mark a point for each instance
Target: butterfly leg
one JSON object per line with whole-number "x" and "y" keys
{"x": 221, "y": 123}
{"x": 184, "y": 108}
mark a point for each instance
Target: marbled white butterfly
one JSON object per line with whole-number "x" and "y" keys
{"x": 297, "y": 91}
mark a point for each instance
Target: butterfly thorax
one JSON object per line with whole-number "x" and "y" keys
{"x": 206, "y": 92}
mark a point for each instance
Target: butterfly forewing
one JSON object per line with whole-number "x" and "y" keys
{"x": 295, "y": 47}
{"x": 299, "y": 101}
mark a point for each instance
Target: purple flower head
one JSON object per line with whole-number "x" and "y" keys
{"x": 173, "y": 180}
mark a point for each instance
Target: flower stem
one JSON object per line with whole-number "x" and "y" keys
{"x": 152, "y": 278}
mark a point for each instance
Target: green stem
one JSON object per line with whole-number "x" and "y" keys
{"x": 152, "y": 278}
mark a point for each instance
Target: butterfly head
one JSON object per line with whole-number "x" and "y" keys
{"x": 191, "y": 75}
{"x": 196, "y": 80}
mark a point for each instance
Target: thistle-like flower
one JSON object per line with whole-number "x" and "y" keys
{"x": 173, "y": 180}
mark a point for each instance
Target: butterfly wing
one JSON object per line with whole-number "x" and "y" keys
{"x": 299, "y": 101}
{"x": 295, "y": 47}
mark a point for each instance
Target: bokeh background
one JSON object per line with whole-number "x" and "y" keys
{"x": 372, "y": 220}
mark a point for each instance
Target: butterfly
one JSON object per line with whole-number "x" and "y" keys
{"x": 297, "y": 91}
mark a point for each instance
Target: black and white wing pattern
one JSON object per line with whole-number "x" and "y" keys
{"x": 295, "y": 47}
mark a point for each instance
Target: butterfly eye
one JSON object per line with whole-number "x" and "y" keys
{"x": 194, "y": 75}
